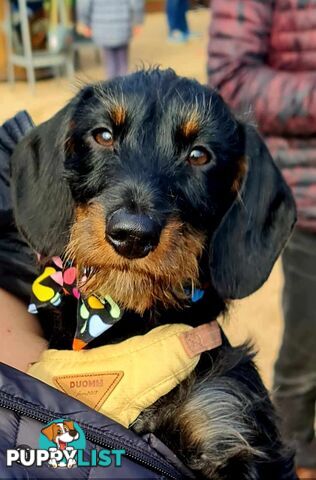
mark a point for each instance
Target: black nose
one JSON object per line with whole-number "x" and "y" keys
{"x": 132, "y": 235}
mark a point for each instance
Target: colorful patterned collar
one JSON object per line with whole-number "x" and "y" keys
{"x": 95, "y": 315}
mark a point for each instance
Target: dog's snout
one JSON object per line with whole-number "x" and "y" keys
{"x": 73, "y": 433}
{"x": 132, "y": 235}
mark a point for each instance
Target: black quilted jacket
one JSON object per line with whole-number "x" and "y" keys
{"x": 27, "y": 405}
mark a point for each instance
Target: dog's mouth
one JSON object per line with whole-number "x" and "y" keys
{"x": 62, "y": 445}
{"x": 139, "y": 268}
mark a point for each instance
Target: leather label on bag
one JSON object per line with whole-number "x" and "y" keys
{"x": 91, "y": 389}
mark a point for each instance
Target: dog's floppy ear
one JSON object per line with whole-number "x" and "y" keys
{"x": 49, "y": 431}
{"x": 42, "y": 200}
{"x": 256, "y": 227}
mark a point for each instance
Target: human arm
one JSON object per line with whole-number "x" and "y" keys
{"x": 83, "y": 16}
{"x": 283, "y": 102}
{"x": 21, "y": 338}
{"x": 137, "y": 8}
{"x": 83, "y": 12}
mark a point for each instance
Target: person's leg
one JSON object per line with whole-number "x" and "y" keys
{"x": 182, "y": 17}
{"x": 295, "y": 369}
{"x": 122, "y": 60}
{"x": 178, "y": 27}
{"x": 109, "y": 62}
{"x": 171, "y": 8}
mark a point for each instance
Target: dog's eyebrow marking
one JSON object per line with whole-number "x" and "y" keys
{"x": 190, "y": 126}
{"x": 114, "y": 102}
{"x": 118, "y": 114}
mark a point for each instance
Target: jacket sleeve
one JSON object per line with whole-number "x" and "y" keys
{"x": 17, "y": 261}
{"x": 11, "y": 132}
{"x": 137, "y": 8}
{"x": 83, "y": 11}
{"x": 282, "y": 102}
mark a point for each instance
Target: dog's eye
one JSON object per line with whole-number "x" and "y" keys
{"x": 199, "y": 156}
{"x": 103, "y": 137}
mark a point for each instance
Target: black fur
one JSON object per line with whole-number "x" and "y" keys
{"x": 59, "y": 166}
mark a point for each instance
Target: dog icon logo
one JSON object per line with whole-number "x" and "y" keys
{"x": 62, "y": 438}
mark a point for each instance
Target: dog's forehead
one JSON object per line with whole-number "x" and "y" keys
{"x": 153, "y": 97}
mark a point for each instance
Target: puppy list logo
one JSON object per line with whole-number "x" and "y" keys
{"x": 62, "y": 444}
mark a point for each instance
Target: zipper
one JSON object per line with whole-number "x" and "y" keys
{"x": 18, "y": 407}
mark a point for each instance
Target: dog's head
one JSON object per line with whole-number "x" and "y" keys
{"x": 143, "y": 178}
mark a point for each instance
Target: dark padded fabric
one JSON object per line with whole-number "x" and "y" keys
{"x": 17, "y": 261}
{"x": 18, "y": 429}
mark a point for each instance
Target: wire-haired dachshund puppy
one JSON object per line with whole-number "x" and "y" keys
{"x": 152, "y": 183}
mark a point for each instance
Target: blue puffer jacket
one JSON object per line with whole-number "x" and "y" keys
{"x": 27, "y": 405}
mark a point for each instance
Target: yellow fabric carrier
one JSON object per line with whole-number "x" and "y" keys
{"x": 122, "y": 380}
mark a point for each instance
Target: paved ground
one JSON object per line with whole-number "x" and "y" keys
{"x": 257, "y": 318}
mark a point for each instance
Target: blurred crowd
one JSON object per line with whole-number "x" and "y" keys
{"x": 112, "y": 25}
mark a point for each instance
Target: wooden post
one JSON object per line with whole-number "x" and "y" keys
{"x": 18, "y": 71}
{"x": 3, "y": 60}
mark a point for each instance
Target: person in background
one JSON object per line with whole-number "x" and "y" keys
{"x": 176, "y": 11}
{"x": 111, "y": 24}
{"x": 262, "y": 59}
{"x": 179, "y": 31}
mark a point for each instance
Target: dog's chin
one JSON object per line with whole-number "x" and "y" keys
{"x": 135, "y": 290}
{"x": 136, "y": 284}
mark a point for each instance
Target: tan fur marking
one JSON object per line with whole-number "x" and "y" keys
{"x": 135, "y": 284}
{"x": 118, "y": 114}
{"x": 241, "y": 171}
{"x": 191, "y": 126}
